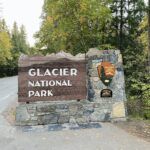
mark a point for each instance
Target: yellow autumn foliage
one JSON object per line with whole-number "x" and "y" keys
{"x": 5, "y": 47}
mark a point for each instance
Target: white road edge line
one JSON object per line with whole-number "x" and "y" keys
{"x": 13, "y": 93}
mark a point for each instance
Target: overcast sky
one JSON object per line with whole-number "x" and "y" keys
{"x": 26, "y": 12}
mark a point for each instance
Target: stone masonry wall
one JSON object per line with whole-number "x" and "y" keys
{"x": 62, "y": 112}
{"x": 94, "y": 109}
{"x": 95, "y": 84}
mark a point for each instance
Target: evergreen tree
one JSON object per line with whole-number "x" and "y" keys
{"x": 22, "y": 39}
{"x": 19, "y": 44}
{"x": 15, "y": 38}
{"x": 127, "y": 14}
{"x": 19, "y": 39}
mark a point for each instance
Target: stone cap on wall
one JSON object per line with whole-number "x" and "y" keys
{"x": 26, "y": 60}
{"x": 96, "y": 52}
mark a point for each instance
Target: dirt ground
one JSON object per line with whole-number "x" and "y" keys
{"x": 140, "y": 128}
{"x": 9, "y": 113}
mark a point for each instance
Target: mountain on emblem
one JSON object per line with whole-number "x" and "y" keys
{"x": 106, "y": 72}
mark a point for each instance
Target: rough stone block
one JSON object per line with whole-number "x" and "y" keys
{"x": 63, "y": 119}
{"x": 79, "y": 113}
{"x": 98, "y": 85}
{"x": 62, "y": 106}
{"x": 82, "y": 120}
{"x": 73, "y": 109}
{"x": 22, "y": 114}
{"x": 95, "y": 79}
{"x": 46, "y": 108}
{"x": 42, "y": 113}
{"x": 80, "y": 107}
{"x": 118, "y": 110}
{"x": 35, "y": 118}
{"x": 72, "y": 120}
{"x": 48, "y": 119}
{"x": 88, "y": 109}
{"x": 31, "y": 108}
{"x": 91, "y": 94}
{"x": 93, "y": 73}
{"x": 64, "y": 112}
{"x": 120, "y": 58}
{"x": 100, "y": 115}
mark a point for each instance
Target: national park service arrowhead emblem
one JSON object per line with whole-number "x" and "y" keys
{"x": 106, "y": 71}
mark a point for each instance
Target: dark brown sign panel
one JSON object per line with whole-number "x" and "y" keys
{"x": 45, "y": 79}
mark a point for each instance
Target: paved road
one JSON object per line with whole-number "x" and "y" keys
{"x": 8, "y": 94}
{"x": 8, "y": 91}
{"x": 105, "y": 136}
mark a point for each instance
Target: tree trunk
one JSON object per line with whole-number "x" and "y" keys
{"x": 121, "y": 25}
{"x": 149, "y": 36}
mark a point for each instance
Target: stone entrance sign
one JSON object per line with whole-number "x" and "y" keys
{"x": 45, "y": 78}
{"x": 52, "y": 85}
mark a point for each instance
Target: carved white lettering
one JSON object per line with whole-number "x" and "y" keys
{"x": 32, "y": 72}
{"x": 53, "y": 72}
{"x": 30, "y": 93}
{"x": 42, "y": 93}
{"x": 73, "y": 72}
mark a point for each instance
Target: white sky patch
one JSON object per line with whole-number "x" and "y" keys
{"x": 26, "y": 12}
{"x": 146, "y": 1}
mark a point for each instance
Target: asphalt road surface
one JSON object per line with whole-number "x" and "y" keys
{"x": 102, "y": 136}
